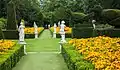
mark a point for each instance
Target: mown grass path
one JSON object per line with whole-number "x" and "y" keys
{"x": 42, "y": 54}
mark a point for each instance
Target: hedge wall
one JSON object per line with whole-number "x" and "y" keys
{"x": 74, "y": 60}
{"x": 89, "y": 32}
{"x": 82, "y": 32}
{"x": 10, "y": 34}
{"x": 9, "y": 60}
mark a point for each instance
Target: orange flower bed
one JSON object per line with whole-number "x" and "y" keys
{"x": 6, "y": 45}
{"x": 67, "y": 29}
{"x": 103, "y": 52}
{"x": 30, "y": 30}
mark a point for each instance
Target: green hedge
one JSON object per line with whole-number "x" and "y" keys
{"x": 89, "y": 32}
{"x": 82, "y": 32}
{"x": 77, "y": 17}
{"x": 75, "y": 60}
{"x": 10, "y": 34}
{"x": 108, "y": 32}
{"x": 83, "y": 25}
{"x": 111, "y": 16}
{"x": 33, "y": 35}
{"x": 9, "y": 60}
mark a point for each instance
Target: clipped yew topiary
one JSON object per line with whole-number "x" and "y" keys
{"x": 111, "y": 16}
{"x": 11, "y": 16}
{"x": 78, "y": 17}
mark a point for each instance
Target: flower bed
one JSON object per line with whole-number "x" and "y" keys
{"x": 103, "y": 52}
{"x": 75, "y": 60}
{"x": 29, "y": 32}
{"x": 10, "y": 54}
{"x": 68, "y": 32}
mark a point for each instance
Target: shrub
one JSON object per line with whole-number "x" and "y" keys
{"x": 3, "y": 22}
{"x": 11, "y": 16}
{"x": 111, "y": 16}
{"x": 78, "y": 17}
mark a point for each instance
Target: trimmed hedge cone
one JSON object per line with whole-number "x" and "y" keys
{"x": 11, "y": 16}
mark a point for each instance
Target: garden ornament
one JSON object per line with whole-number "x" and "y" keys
{"x": 36, "y": 30}
{"x": 54, "y": 33}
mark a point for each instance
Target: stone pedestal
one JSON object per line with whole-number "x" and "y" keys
{"x": 24, "y": 44}
{"x": 61, "y": 45}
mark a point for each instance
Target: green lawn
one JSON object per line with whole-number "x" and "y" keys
{"x": 42, "y": 54}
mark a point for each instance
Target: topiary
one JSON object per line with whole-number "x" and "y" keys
{"x": 111, "y": 16}
{"x": 78, "y": 17}
{"x": 11, "y": 16}
{"x": 115, "y": 22}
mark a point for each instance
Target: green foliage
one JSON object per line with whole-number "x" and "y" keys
{"x": 111, "y": 16}
{"x": 115, "y": 22}
{"x": 8, "y": 61}
{"x": 3, "y": 23}
{"x": 77, "y": 17}
{"x": 29, "y": 10}
{"x": 75, "y": 60}
{"x": 3, "y": 8}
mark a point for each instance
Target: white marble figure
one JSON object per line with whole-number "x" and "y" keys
{"x": 62, "y": 32}
{"x": 21, "y": 32}
{"x": 59, "y": 24}
{"x": 36, "y": 30}
{"x": 54, "y": 33}
{"x": 49, "y": 26}
{"x": 93, "y": 22}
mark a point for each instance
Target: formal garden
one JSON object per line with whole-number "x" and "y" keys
{"x": 59, "y": 34}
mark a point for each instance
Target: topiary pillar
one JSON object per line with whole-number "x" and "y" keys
{"x": 11, "y": 16}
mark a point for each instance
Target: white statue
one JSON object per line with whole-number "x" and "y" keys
{"x": 62, "y": 32}
{"x": 36, "y": 30}
{"x": 21, "y": 32}
{"x": 93, "y": 22}
{"x": 62, "y": 26}
{"x": 54, "y": 33}
{"x": 59, "y": 24}
{"x": 49, "y": 26}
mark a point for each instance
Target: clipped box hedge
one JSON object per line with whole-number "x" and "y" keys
{"x": 33, "y": 35}
{"x": 82, "y": 32}
{"x": 90, "y": 32}
{"x": 10, "y": 34}
{"x": 9, "y": 60}
{"x": 74, "y": 60}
